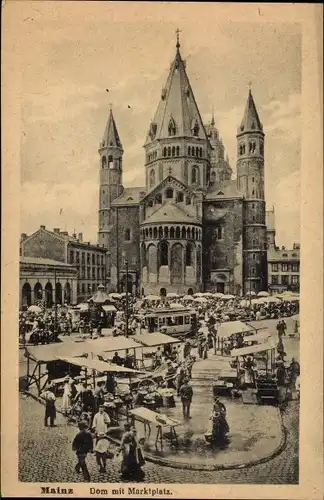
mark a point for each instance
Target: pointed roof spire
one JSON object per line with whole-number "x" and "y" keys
{"x": 213, "y": 117}
{"x": 111, "y": 136}
{"x": 251, "y": 121}
{"x": 178, "y": 38}
{"x": 177, "y": 114}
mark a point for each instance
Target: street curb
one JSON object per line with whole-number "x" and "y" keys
{"x": 199, "y": 467}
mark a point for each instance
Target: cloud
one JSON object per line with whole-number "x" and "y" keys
{"x": 284, "y": 117}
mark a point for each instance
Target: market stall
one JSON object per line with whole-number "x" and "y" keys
{"x": 160, "y": 421}
{"x": 230, "y": 333}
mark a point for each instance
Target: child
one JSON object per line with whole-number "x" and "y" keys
{"x": 102, "y": 452}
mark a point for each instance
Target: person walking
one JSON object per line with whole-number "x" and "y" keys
{"x": 102, "y": 451}
{"x": 100, "y": 422}
{"x": 186, "y": 394}
{"x": 82, "y": 445}
{"x": 50, "y": 409}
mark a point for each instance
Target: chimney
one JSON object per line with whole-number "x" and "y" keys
{"x": 80, "y": 238}
{"x": 56, "y": 230}
{"x": 23, "y": 236}
{"x": 43, "y": 227}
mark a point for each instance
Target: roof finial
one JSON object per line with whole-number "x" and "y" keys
{"x": 110, "y": 105}
{"x": 250, "y": 85}
{"x": 213, "y": 117}
{"x": 178, "y": 40}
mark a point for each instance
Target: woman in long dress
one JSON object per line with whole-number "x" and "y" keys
{"x": 66, "y": 400}
{"x": 131, "y": 464}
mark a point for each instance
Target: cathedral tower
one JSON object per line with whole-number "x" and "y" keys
{"x": 177, "y": 139}
{"x": 111, "y": 173}
{"x": 250, "y": 182}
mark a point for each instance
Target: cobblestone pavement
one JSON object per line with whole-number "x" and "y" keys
{"x": 45, "y": 455}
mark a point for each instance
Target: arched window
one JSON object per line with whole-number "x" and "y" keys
{"x": 164, "y": 253}
{"x": 197, "y": 152}
{"x": 253, "y": 192}
{"x": 201, "y": 152}
{"x": 178, "y": 151}
{"x": 146, "y": 232}
{"x": 179, "y": 197}
{"x": 160, "y": 232}
{"x": 164, "y": 151}
{"x": 253, "y": 256}
{"x": 188, "y": 233}
{"x": 152, "y": 177}
{"x": 193, "y": 233}
{"x": 252, "y": 146}
{"x": 169, "y": 151}
{"x": 151, "y": 233}
{"x": 188, "y": 200}
{"x": 173, "y": 151}
{"x": 171, "y": 127}
{"x": 183, "y": 233}
{"x": 110, "y": 161}
{"x": 166, "y": 232}
{"x": 189, "y": 254}
{"x": 177, "y": 233}
{"x": 104, "y": 162}
{"x": 195, "y": 129}
{"x": 194, "y": 176}
{"x": 172, "y": 232}
{"x": 150, "y": 203}
{"x": 169, "y": 193}
{"x": 158, "y": 199}
{"x": 155, "y": 232}
{"x": 189, "y": 150}
{"x": 242, "y": 148}
{"x": 253, "y": 271}
{"x": 38, "y": 291}
{"x": 127, "y": 234}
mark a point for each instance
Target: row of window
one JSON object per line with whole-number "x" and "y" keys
{"x": 163, "y": 254}
{"x": 172, "y": 129}
{"x": 87, "y": 288}
{"x": 195, "y": 177}
{"x": 175, "y": 151}
{"x": 117, "y": 163}
{"x": 294, "y": 280}
{"x": 286, "y": 268}
{"x": 94, "y": 273}
{"x": 252, "y": 148}
{"x": 91, "y": 258}
{"x": 169, "y": 195}
{"x": 183, "y": 233}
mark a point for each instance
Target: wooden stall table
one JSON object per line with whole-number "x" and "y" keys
{"x": 149, "y": 417}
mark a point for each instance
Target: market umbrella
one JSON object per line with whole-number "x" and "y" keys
{"x": 152, "y": 297}
{"x": 176, "y": 305}
{"x": 34, "y": 309}
{"x": 202, "y": 300}
{"x": 84, "y": 306}
{"x": 115, "y": 295}
{"x": 218, "y": 295}
{"x": 228, "y": 297}
{"x": 188, "y": 297}
{"x": 172, "y": 295}
{"x": 208, "y": 294}
{"x": 268, "y": 300}
{"x": 263, "y": 294}
{"x": 251, "y": 293}
{"x": 100, "y": 296}
{"x": 198, "y": 294}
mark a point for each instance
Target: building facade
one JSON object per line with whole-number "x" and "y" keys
{"x": 89, "y": 260}
{"x": 283, "y": 263}
{"x": 191, "y": 227}
{"x": 47, "y": 281}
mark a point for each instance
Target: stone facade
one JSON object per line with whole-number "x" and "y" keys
{"x": 191, "y": 227}
{"x": 48, "y": 281}
{"x": 89, "y": 260}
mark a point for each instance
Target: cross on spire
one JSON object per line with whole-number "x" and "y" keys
{"x": 178, "y": 40}
{"x": 250, "y": 85}
{"x": 110, "y": 105}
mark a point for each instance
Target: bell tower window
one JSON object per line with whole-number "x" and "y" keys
{"x": 110, "y": 161}
{"x": 152, "y": 177}
{"x": 194, "y": 175}
{"x": 195, "y": 129}
{"x": 171, "y": 127}
{"x": 104, "y": 162}
{"x": 242, "y": 149}
{"x": 252, "y": 147}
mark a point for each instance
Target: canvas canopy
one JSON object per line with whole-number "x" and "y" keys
{"x": 258, "y": 337}
{"x": 244, "y": 351}
{"x": 109, "y": 308}
{"x": 110, "y": 344}
{"x": 154, "y": 339}
{"x": 46, "y": 353}
{"x": 225, "y": 330}
{"x": 99, "y": 366}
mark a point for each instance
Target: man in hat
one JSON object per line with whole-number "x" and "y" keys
{"x": 186, "y": 393}
{"x": 82, "y": 445}
{"x": 50, "y": 409}
{"x": 101, "y": 421}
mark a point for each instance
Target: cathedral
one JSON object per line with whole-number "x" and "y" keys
{"x": 191, "y": 227}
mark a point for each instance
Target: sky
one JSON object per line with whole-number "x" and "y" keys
{"x": 69, "y": 60}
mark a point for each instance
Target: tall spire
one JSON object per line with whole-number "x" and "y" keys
{"x": 251, "y": 121}
{"x": 213, "y": 117}
{"x": 178, "y": 39}
{"x": 111, "y": 136}
{"x": 177, "y": 114}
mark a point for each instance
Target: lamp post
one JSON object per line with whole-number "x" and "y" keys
{"x": 126, "y": 322}
{"x": 55, "y": 303}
